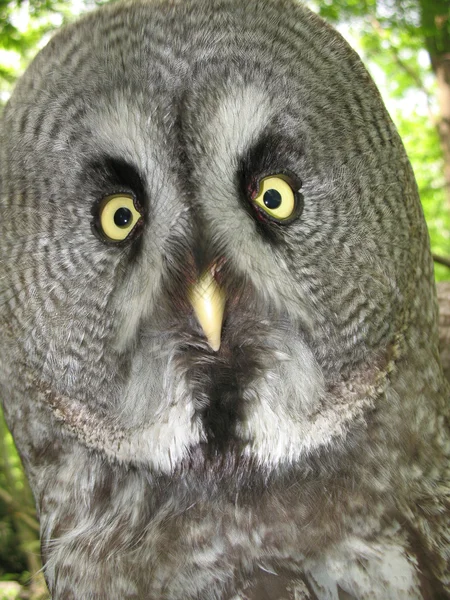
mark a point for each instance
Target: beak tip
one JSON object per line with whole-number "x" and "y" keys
{"x": 214, "y": 345}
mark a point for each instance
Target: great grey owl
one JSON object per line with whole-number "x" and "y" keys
{"x": 218, "y": 340}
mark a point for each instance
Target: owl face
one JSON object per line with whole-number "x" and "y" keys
{"x": 155, "y": 146}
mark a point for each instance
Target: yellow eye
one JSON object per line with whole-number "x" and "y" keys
{"x": 118, "y": 217}
{"x": 276, "y": 197}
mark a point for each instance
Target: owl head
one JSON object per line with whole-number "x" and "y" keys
{"x": 211, "y": 242}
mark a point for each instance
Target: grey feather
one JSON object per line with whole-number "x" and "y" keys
{"x": 309, "y": 456}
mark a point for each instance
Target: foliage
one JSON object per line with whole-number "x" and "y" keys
{"x": 12, "y": 557}
{"x": 25, "y": 27}
{"x": 19, "y": 543}
{"x": 422, "y": 143}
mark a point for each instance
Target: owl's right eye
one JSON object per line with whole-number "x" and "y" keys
{"x": 118, "y": 217}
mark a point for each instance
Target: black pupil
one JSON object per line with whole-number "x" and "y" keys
{"x": 272, "y": 199}
{"x": 122, "y": 217}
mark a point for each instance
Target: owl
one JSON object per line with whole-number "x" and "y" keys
{"x": 218, "y": 324}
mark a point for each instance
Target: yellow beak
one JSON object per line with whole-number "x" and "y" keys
{"x": 208, "y": 301}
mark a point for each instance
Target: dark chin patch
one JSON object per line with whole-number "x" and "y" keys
{"x": 218, "y": 381}
{"x": 222, "y": 399}
{"x": 224, "y": 408}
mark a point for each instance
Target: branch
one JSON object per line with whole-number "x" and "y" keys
{"x": 30, "y": 520}
{"x": 442, "y": 260}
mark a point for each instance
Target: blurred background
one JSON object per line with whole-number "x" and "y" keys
{"x": 405, "y": 45}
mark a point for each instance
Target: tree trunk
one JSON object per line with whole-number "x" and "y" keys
{"x": 443, "y": 291}
{"x": 435, "y": 21}
{"x": 442, "y": 70}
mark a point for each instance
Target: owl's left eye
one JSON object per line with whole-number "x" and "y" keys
{"x": 118, "y": 217}
{"x": 278, "y": 198}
